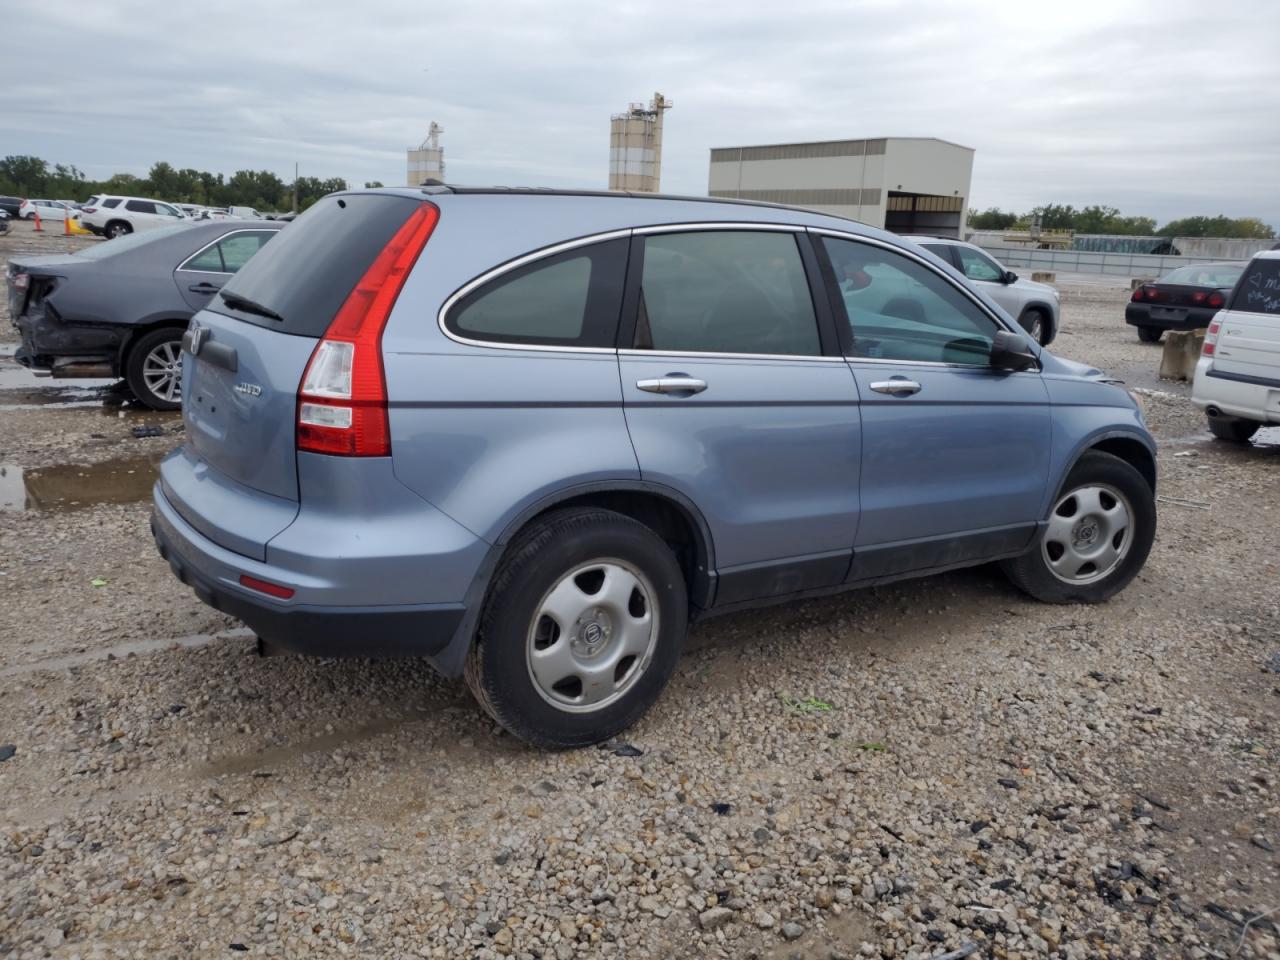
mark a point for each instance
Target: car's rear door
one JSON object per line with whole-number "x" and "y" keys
{"x": 1248, "y": 345}
{"x": 735, "y": 397}
{"x": 203, "y": 274}
{"x": 955, "y": 454}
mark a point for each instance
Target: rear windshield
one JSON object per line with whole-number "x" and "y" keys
{"x": 130, "y": 241}
{"x": 306, "y": 272}
{"x": 1259, "y": 288}
{"x": 1209, "y": 275}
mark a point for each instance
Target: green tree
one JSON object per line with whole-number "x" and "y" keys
{"x": 373, "y": 183}
{"x": 990, "y": 219}
{"x": 1220, "y": 226}
{"x": 24, "y": 175}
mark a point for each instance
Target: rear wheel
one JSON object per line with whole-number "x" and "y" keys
{"x": 118, "y": 228}
{"x": 581, "y": 629}
{"x": 1150, "y": 334}
{"x": 1233, "y": 429}
{"x": 153, "y": 369}
{"x": 1097, "y": 538}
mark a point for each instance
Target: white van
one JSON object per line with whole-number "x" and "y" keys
{"x": 1237, "y": 380}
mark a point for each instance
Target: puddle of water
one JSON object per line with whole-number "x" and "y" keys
{"x": 71, "y": 487}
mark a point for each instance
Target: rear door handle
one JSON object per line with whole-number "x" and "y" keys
{"x": 896, "y": 387}
{"x": 674, "y": 383}
{"x": 204, "y": 288}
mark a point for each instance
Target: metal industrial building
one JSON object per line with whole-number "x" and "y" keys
{"x": 904, "y": 184}
{"x": 635, "y": 146}
{"x": 427, "y": 162}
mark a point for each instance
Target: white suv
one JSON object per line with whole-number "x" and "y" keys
{"x": 1237, "y": 380}
{"x": 1033, "y": 305}
{"x": 110, "y": 216}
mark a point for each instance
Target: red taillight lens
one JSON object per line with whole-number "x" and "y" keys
{"x": 1210, "y": 339}
{"x": 1198, "y": 296}
{"x": 262, "y": 586}
{"x": 1137, "y": 295}
{"x": 21, "y": 281}
{"x": 1216, "y": 299}
{"x": 342, "y": 400}
{"x": 88, "y": 209}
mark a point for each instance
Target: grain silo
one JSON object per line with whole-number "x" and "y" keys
{"x": 635, "y": 146}
{"x": 427, "y": 162}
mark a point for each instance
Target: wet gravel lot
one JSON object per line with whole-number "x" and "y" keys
{"x": 936, "y": 766}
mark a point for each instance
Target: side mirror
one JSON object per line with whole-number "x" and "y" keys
{"x": 1009, "y": 351}
{"x": 1010, "y": 277}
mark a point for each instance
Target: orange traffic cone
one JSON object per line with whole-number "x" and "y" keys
{"x": 38, "y": 230}
{"x": 66, "y": 224}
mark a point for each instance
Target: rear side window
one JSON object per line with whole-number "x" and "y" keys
{"x": 140, "y": 206}
{"x": 306, "y": 272}
{"x": 726, "y": 291}
{"x": 570, "y": 299}
{"x": 1259, "y": 288}
{"x": 112, "y": 203}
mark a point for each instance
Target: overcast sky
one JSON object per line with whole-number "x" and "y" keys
{"x": 1160, "y": 107}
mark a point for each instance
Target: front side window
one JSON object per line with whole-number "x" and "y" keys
{"x": 571, "y": 299}
{"x": 726, "y": 291}
{"x": 901, "y": 309}
{"x": 978, "y": 266}
{"x": 167, "y": 211}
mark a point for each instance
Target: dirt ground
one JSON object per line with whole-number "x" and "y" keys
{"x": 905, "y": 771}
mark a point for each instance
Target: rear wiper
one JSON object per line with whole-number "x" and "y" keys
{"x": 238, "y": 302}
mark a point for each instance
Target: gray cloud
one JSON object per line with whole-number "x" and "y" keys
{"x": 1164, "y": 107}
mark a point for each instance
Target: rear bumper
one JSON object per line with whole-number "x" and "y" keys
{"x": 318, "y": 630}
{"x": 1250, "y": 398}
{"x": 1168, "y": 318}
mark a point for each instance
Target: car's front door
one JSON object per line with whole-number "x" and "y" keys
{"x": 735, "y": 396}
{"x": 955, "y": 454}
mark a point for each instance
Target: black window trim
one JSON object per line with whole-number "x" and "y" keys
{"x": 828, "y": 328}
{"x": 183, "y": 268}
{"x": 846, "y": 330}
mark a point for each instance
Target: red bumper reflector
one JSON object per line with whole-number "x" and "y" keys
{"x": 270, "y": 589}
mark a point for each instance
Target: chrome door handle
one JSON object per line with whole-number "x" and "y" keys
{"x": 897, "y": 387}
{"x": 673, "y": 384}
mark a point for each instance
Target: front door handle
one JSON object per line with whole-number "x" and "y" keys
{"x": 896, "y": 387}
{"x": 674, "y": 383}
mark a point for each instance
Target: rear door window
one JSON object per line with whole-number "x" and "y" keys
{"x": 726, "y": 291}
{"x": 570, "y": 299}
{"x": 1259, "y": 288}
{"x": 304, "y": 274}
{"x": 140, "y": 206}
{"x": 900, "y": 309}
{"x": 112, "y": 203}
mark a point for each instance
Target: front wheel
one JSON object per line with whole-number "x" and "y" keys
{"x": 1150, "y": 334}
{"x": 1034, "y": 322}
{"x": 581, "y": 629}
{"x": 1233, "y": 429}
{"x": 153, "y": 369}
{"x": 1097, "y": 538}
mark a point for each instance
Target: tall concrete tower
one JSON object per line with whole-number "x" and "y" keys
{"x": 427, "y": 162}
{"x": 635, "y": 146}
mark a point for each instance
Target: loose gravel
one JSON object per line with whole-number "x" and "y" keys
{"x": 937, "y": 768}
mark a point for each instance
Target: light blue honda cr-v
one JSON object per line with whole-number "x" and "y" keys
{"x": 531, "y": 435}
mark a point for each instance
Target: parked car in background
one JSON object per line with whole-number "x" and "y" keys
{"x": 1034, "y": 305}
{"x": 1237, "y": 381}
{"x": 244, "y": 213}
{"x": 110, "y": 216}
{"x": 11, "y": 205}
{"x": 45, "y": 209}
{"x": 4, "y": 220}
{"x": 119, "y": 309}
{"x": 1183, "y": 299}
{"x": 532, "y": 435}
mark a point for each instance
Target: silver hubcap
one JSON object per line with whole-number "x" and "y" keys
{"x": 1037, "y": 327}
{"x": 1090, "y": 530}
{"x": 593, "y": 635}
{"x": 162, "y": 370}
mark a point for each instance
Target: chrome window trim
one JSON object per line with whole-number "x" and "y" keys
{"x": 182, "y": 267}
{"x": 968, "y": 294}
{"x": 516, "y": 264}
{"x": 710, "y": 355}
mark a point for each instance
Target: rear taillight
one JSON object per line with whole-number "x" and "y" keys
{"x": 1143, "y": 293}
{"x": 1137, "y": 295}
{"x": 342, "y": 400}
{"x": 1210, "y": 339}
{"x": 1216, "y": 299}
{"x": 1198, "y": 296}
{"x": 21, "y": 281}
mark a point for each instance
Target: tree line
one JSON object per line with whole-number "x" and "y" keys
{"x": 1109, "y": 220}
{"x": 27, "y": 176}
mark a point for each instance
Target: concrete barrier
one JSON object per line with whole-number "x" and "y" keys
{"x": 1181, "y": 351}
{"x": 1041, "y": 276}
{"x": 1136, "y": 282}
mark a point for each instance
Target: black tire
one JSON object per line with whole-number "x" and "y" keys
{"x": 539, "y": 559}
{"x": 118, "y": 228}
{"x": 142, "y": 381}
{"x": 29, "y": 216}
{"x": 1031, "y": 572}
{"x": 1150, "y": 334}
{"x": 1233, "y": 429}
{"x": 1036, "y": 323}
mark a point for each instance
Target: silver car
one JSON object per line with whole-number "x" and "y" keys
{"x": 531, "y": 436}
